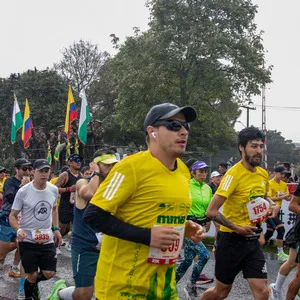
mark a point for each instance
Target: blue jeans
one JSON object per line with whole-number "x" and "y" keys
{"x": 190, "y": 251}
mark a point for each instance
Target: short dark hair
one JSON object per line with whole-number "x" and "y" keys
{"x": 249, "y": 134}
{"x": 102, "y": 152}
{"x": 84, "y": 169}
{"x": 189, "y": 163}
{"x": 224, "y": 165}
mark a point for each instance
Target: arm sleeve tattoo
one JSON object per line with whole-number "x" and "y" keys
{"x": 219, "y": 218}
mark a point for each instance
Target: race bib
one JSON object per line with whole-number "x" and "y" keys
{"x": 257, "y": 210}
{"x": 41, "y": 236}
{"x": 170, "y": 255}
{"x": 72, "y": 197}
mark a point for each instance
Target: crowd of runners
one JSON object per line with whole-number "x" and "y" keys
{"x": 127, "y": 221}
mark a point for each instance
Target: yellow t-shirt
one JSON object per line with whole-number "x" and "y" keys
{"x": 277, "y": 189}
{"x": 53, "y": 181}
{"x": 240, "y": 186}
{"x": 141, "y": 191}
{"x": 2, "y": 184}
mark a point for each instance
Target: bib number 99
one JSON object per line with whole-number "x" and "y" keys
{"x": 172, "y": 248}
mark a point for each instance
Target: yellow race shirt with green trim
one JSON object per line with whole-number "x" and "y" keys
{"x": 2, "y": 184}
{"x": 141, "y": 191}
{"x": 277, "y": 189}
{"x": 240, "y": 186}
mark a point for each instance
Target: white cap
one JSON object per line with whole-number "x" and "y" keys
{"x": 215, "y": 174}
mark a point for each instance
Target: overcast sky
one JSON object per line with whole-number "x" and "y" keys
{"x": 34, "y": 32}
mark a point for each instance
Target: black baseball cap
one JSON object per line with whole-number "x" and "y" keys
{"x": 22, "y": 162}
{"x": 40, "y": 164}
{"x": 168, "y": 110}
{"x": 280, "y": 169}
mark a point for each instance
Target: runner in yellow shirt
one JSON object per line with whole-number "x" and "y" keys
{"x": 141, "y": 207}
{"x": 242, "y": 194}
{"x": 2, "y": 180}
{"x": 278, "y": 191}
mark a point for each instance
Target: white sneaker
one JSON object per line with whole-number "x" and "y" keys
{"x": 274, "y": 294}
{"x": 58, "y": 251}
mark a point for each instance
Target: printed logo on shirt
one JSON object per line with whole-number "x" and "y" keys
{"x": 227, "y": 182}
{"x": 113, "y": 186}
{"x": 170, "y": 220}
{"x": 42, "y": 210}
{"x": 166, "y": 206}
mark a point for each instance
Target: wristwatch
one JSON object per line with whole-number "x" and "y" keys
{"x": 56, "y": 228}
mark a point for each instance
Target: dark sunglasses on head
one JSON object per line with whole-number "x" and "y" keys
{"x": 26, "y": 169}
{"x": 173, "y": 125}
{"x": 3, "y": 171}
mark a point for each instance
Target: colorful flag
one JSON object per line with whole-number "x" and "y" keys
{"x": 76, "y": 148}
{"x": 17, "y": 120}
{"x": 56, "y": 153}
{"x": 84, "y": 119}
{"x": 49, "y": 156}
{"x": 68, "y": 150}
{"x": 71, "y": 113}
{"x": 27, "y": 126}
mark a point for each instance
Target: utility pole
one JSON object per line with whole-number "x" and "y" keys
{"x": 248, "y": 108}
{"x": 264, "y": 126}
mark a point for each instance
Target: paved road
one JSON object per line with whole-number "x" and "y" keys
{"x": 9, "y": 286}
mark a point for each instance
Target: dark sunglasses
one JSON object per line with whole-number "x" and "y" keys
{"x": 3, "y": 171}
{"x": 77, "y": 160}
{"x": 26, "y": 169}
{"x": 173, "y": 125}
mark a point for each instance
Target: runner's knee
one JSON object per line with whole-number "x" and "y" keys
{"x": 280, "y": 233}
{"x": 48, "y": 274}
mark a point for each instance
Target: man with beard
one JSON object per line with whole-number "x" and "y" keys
{"x": 141, "y": 207}
{"x": 242, "y": 194}
{"x": 66, "y": 184}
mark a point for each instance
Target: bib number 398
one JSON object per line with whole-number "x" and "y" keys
{"x": 170, "y": 255}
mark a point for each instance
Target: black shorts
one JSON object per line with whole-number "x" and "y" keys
{"x": 235, "y": 254}
{"x": 35, "y": 256}
{"x": 65, "y": 216}
{"x": 290, "y": 240}
{"x": 273, "y": 223}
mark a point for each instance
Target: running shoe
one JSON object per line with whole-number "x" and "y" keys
{"x": 203, "y": 279}
{"x": 274, "y": 294}
{"x": 14, "y": 272}
{"x": 190, "y": 291}
{"x": 282, "y": 256}
{"x": 58, "y": 285}
{"x": 21, "y": 295}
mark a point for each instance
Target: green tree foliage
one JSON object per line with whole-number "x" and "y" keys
{"x": 280, "y": 149}
{"x": 201, "y": 53}
{"x": 80, "y": 64}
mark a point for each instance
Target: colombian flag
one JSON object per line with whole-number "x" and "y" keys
{"x": 27, "y": 126}
{"x": 71, "y": 113}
